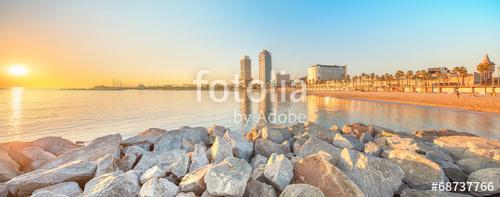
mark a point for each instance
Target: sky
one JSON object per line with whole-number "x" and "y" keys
{"x": 79, "y": 44}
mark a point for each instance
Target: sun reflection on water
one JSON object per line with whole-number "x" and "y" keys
{"x": 16, "y": 114}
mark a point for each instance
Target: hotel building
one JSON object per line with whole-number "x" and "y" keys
{"x": 320, "y": 73}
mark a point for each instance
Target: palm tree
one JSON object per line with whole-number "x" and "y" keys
{"x": 409, "y": 75}
{"x": 457, "y": 71}
{"x": 399, "y": 75}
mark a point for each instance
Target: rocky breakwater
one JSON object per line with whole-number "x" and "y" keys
{"x": 271, "y": 160}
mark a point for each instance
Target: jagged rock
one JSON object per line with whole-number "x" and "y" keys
{"x": 215, "y": 131}
{"x": 258, "y": 173}
{"x": 372, "y": 149}
{"x": 106, "y": 165}
{"x": 116, "y": 183}
{"x": 186, "y": 194}
{"x": 153, "y": 173}
{"x": 242, "y": 148}
{"x": 406, "y": 143}
{"x": 374, "y": 176}
{"x": 315, "y": 130}
{"x": 30, "y": 157}
{"x": 96, "y": 149}
{"x": 300, "y": 190}
{"x": 317, "y": 170}
{"x": 314, "y": 145}
{"x": 258, "y": 160}
{"x": 172, "y": 140}
{"x": 343, "y": 141}
{"x": 8, "y": 167}
{"x": 267, "y": 147}
{"x": 297, "y": 129}
{"x": 3, "y": 190}
{"x": 452, "y": 171}
{"x": 55, "y": 145}
{"x": 147, "y": 161}
{"x": 430, "y": 135}
{"x": 461, "y": 147}
{"x": 366, "y": 137}
{"x": 272, "y": 134}
{"x": 438, "y": 155}
{"x": 168, "y": 142}
{"x": 131, "y": 155}
{"x": 429, "y": 193}
{"x": 470, "y": 165}
{"x": 420, "y": 172}
{"x": 186, "y": 145}
{"x": 278, "y": 171}
{"x": 220, "y": 150}
{"x": 149, "y": 137}
{"x": 25, "y": 184}
{"x": 285, "y": 147}
{"x": 298, "y": 143}
{"x": 228, "y": 178}
{"x": 259, "y": 189}
{"x": 198, "y": 158}
{"x": 48, "y": 194}
{"x": 486, "y": 176}
{"x": 180, "y": 167}
{"x": 195, "y": 181}
{"x": 71, "y": 189}
{"x": 158, "y": 187}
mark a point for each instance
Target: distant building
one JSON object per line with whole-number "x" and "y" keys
{"x": 282, "y": 79}
{"x": 486, "y": 75}
{"x": 265, "y": 66}
{"x": 319, "y": 73}
{"x": 434, "y": 71}
{"x": 245, "y": 71}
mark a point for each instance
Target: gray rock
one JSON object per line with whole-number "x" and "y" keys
{"x": 372, "y": 149}
{"x": 147, "y": 161}
{"x": 25, "y": 184}
{"x": 71, "y": 189}
{"x": 31, "y": 157}
{"x": 258, "y": 173}
{"x": 8, "y": 167}
{"x": 286, "y": 148}
{"x": 452, "y": 171}
{"x": 153, "y": 173}
{"x": 300, "y": 190}
{"x": 116, "y": 183}
{"x": 180, "y": 167}
{"x": 258, "y": 160}
{"x": 315, "y": 130}
{"x": 215, "y": 131}
{"x": 271, "y": 134}
{"x": 366, "y": 137}
{"x": 186, "y": 145}
{"x": 149, "y": 137}
{"x": 438, "y": 155}
{"x": 195, "y": 181}
{"x": 55, "y": 145}
{"x": 259, "y": 189}
{"x": 3, "y": 190}
{"x": 229, "y": 178}
{"x": 488, "y": 176}
{"x": 470, "y": 165}
{"x": 344, "y": 141}
{"x": 278, "y": 171}
{"x": 186, "y": 194}
{"x": 106, "y": 165}
{"x": 158, "y": 187}
{"x": 48, "y": 194}
{"x": 198, "y": 158}
{"x": 429, "y": 193}
{"x": 476, "y": 147}
{"x": 242, "y": 148}
{"x": 168, "y": 142}
{"x": 266, "y": 147}
{"x": 131, "y": 156}
{"x": 314, "y": 145}
{"x": 220, "y": 150}
{"x": 375, "y": 176}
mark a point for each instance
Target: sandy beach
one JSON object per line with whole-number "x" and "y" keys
{"x": 482, "y": 103}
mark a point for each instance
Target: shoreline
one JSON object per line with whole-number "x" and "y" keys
{"x": 482, "y": 103}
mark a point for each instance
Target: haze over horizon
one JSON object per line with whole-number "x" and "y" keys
{"x": 71, "y": 44}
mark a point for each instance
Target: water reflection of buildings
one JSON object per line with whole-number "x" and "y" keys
{"x": 16, "y": 114}
{"x": 245, "y": 106}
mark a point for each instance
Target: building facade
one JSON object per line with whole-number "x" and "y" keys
{"x": 320, "y": 73}
{"x": 282, "y": 79}
{"x": 245, "y": 70}
{"x": 265, "y": 66}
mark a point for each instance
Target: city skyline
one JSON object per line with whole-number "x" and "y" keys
{"x": 149, "y": 43}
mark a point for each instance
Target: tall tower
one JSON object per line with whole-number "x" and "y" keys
{"x": 265, "y": 66}
{"x": 245, "y": 70}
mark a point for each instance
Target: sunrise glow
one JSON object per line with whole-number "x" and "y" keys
{"x": 18, "y": 70}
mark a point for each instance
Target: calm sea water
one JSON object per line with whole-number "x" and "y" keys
{"x": 27, "y": 114}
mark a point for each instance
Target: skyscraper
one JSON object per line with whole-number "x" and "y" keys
{"x": 245, "y": 70}
{"x": 265, "y": 66}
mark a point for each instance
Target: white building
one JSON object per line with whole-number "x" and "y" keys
{"x": 245, "y": 70}
{"x": 319, "y": 73}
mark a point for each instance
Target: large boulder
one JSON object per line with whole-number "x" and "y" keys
{"x": 430, "y": 135}
{"x": 420, "y": 172}
{"x": 116, "y": 183}
{"x": 489, "y": 180}
{"x": 8, "y": 167}
{"x": 228, "y": 178}
{"x": 470, "y": 165}
{"x": 317, "y": 170}
{"x": 106, "y": 165}
{"x": 78, "y": 171}
{"x": 198, "y": 157}
{"x": 131, "y": 156}
{"x": 278, "y": 171}
{"x": 299, "y": 190}
{"x": 30, "y": 157}
{"x": 242, "y": 148}
{"x": 96, "y": 149}
{"x": 314, "y": 145}
{"x": 315, "y": 130}
{"x": 258, "y": 160}
{"x": 375, "y": 176}
{"x": 372, "y": 149}
{"x": 272, "y": 134}
{"x": 259, "y": 189}
{"x": 145, "y": 138}
{"x": 179, "y": 167}
{"x": 172, "y": 140}
{"x": 153, "y": 173}
{"x": 452, "y": 171}
{"x": 71, "y": 189}
{"x": 158, "y": 187}
{"x": 215, "y": 131}
{"x": 461, "y": 147}
{"x": 344, "y": 141}
{"x": 220, "y": 150}
{"x": 266, "y": 147}
{"x": 55, "y": 145}
{"x": 195, "y": 181}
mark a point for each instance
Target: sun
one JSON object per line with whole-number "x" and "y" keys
{"x": 18, "y": 70}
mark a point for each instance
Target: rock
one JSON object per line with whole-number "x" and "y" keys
{"x": 335, "y": 128}
{"x": 228, "y": 178}
{"x": 198, "y": 158}
{"x": 71, "y": 189}
{"x": 106, "y": 165}
{"x": 220, "y": 150}
{"x": 48, "y": 194}
{"x": 314, "y": 145}
{"x": 438, "y": 155}
{"x": 186, "y": 145}
{"x": 180, "y": 167}
{"x": 366, "y": 137}
{"x": 254, "y": 134}
{"x": 174, "y": 161}
{"x": 315, "y": 130}
{"x": 147, "y": 161}
{"x": 272, "y": 134}
{"x": 195, "y": 181}
{"x": 298, "y": 143}
{"x": 149, "y": 137}
{"x": 215, "y": 131}
{"x": 3, "y": 190}
{"x": 420, "y": 172}
{"x": 452, "y": 171}
{"x": 317, "y": 170}
{"x": 258, "y": 173}
{"x": 470, "y": 165}
{"x": 116, "y": 183}
{"x": 299, "y": 190}
{"x": 259, "y": 189}
{"x": 258, "y": 160}
{"x": 429, "y": 193}
{"x": 372, "y": 149}
{"x": 461, "y": 147}
{"x": 186, "y": 194}
{"x": 297, "y": 129}
{"x": 78, "y": 171}
{"x": 278, "y": 171}
{"x": 8, "y": 167}
{"x": 374, "y": 176}
{"x": 96, "y": 149}
{"x": 266, "y": 147}
{"x": 242, "y": 148}
{"x": 286, "y": 148}
{"x": 172, "y": 140}
{"x": 430, "y": 135}
{"x": 30, "y": 157}
{"x": 488, "y": 176}
{"x": 158, "y": 187}
{"x": 153, "y": 173}
{"x": 168, "y": 142}
{"x": 343, "y": 141}
{"x": 55, "y": 145}
{"x": 396, "y": 142}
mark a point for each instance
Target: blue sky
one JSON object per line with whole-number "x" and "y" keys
{"x": 165, "y": 40}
